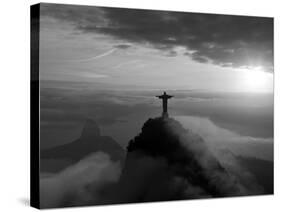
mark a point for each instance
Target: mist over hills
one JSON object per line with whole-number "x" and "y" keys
{"x": 168, "y": 162}
{"x": 163, "y": 162}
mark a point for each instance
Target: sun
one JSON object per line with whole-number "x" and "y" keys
{"x": 257, "y": 80}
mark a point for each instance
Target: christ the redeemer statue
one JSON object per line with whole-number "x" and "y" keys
{"x": 165, "y": 98}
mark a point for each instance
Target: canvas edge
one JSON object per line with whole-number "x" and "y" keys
{"x": 34, "y": 106}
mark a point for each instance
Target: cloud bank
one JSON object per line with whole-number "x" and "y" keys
{"x": 225, "y": 40}
{"x": 80, "y": 183}
{"x": 218, "y": 139}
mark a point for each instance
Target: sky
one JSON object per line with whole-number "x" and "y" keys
{"x": 146, "y": 49}
{"x": 108, "y": 64}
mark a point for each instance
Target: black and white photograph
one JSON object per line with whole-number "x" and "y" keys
{"x": 135, "y": 106}
{"x": 149, "y": 105}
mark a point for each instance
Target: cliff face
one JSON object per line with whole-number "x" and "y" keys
{"x": 167, "y": 162}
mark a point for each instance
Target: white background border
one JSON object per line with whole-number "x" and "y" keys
{"x": 15, "y": 98}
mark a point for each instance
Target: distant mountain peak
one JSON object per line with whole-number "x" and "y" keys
{"x": 90, "y": 129}
{"x": 90, "y": 141}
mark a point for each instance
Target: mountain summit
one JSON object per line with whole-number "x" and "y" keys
{"x": 90, "y": 130}
{"x": 168, "y": 162}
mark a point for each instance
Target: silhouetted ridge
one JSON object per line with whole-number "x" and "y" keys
{"x": 162, "y": 137}
{"x": 187, "y": 157}
{"x": 89, "y": 142}
{"x": 156, "y": 139}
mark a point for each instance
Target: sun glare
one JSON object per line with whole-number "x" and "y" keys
{"x": 257, "y": 80}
